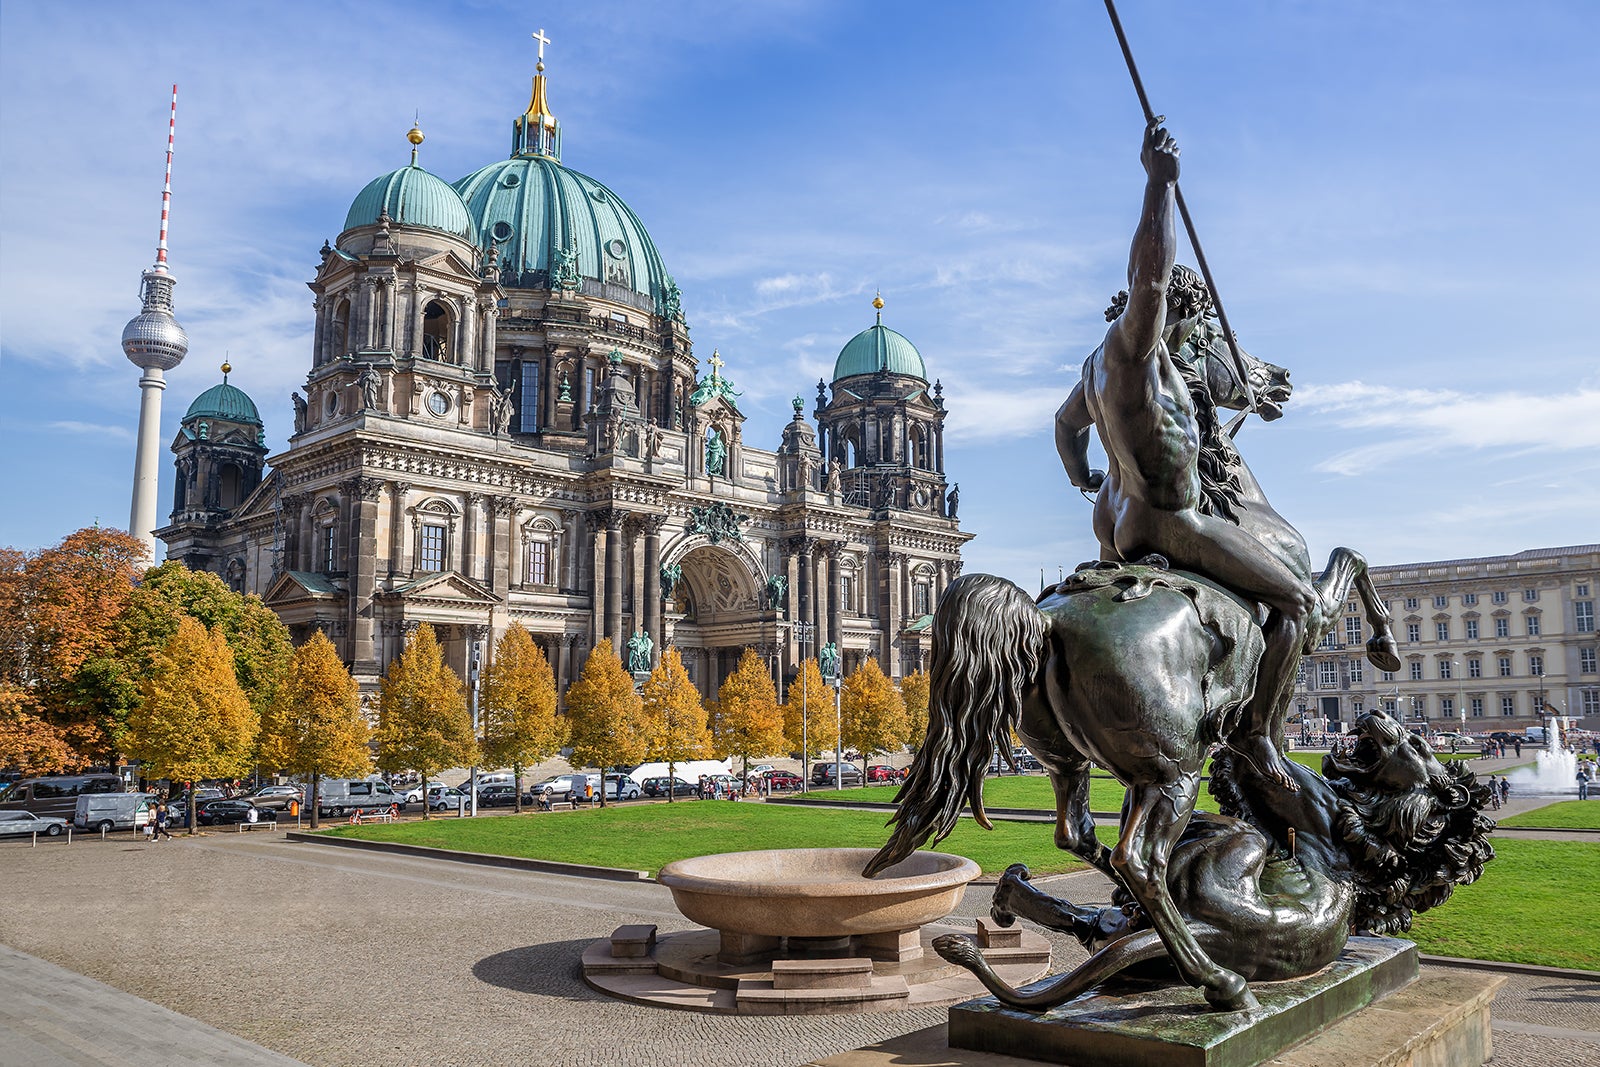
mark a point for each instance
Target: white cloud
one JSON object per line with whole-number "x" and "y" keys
{"x": 90, "y": 429}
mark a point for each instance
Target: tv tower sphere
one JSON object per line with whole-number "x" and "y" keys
{"x": 153, "y": 337}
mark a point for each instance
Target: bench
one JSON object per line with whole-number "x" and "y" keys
{"x": 261, "y": 824}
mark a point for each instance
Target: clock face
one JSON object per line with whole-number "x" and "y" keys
{"x": 438, "y": 403}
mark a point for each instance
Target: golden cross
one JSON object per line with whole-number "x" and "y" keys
{"x": 716, "y": 363}
{"x": 543, "y": 40}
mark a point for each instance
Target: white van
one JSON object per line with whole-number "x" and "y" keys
{"x": 338, "y": 796}
{"x": 114, "y": 811}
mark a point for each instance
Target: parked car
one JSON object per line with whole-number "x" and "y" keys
{"x": 497, "y": 795}
{"x": 441, "y": 797}
{"x": 228, "y": 810}
{"x": 414, "y": 794}
{"x": 783, "y": 781}
{"x": 848, "y": 774}
{"x": 562, "y": 786}
{"x": 621, "y": 787}
{"x": 26, "y": 822}
{"x": 880, "y": 772}
{"x": 276, "y": 797}
{"x": 657, "y": 787}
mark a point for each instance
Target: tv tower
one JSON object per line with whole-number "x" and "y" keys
{"x": 154, "y": 342}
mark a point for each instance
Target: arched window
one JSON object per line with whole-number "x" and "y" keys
{"x": 325, "y": 527}
{"x": 339, "y": 330}
{"x": 919, "y": 448}
{"x": 436, "y": 331}
{"x": 230, "y": 486}
{"x": 541, "y": 541}
{"x": 433, "y": 524}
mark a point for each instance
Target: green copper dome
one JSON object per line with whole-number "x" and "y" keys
{"x": 878, "y": 348}
{"x": 532, "y": 207}
{"x": 412, "y": 196}
{"x": 224, "y": 401}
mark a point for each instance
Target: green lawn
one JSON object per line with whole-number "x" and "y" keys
{"x": 1530, "y": 906}
{"x": 1563, "y": 815}
{"x": 646, "y": 836}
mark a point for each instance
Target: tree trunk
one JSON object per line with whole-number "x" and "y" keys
{"x": 516, "y": 786}
{"x": 603, "y": 787}
{"x": 316, "y": 821}
{"x": 189, "y": 804}
{"x": 425, "y": 813}
{"x": 672, "y": 780}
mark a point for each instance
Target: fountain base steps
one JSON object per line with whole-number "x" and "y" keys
{"x": 690, "y": 971}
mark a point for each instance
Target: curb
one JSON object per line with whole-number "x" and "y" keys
{"x": 481, "y": 859}
{"x": 1571, "y": 973}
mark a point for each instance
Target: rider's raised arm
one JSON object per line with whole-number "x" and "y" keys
{"x": 1155, "y": 248}
{"x": 1073, "y": 423}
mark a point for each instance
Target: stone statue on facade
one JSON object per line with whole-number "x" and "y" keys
{"x": 828, "y": 664}
{"x": 716, "y": 453}
{"x": 564, "y": 273}
{"x": 805, "y": 466}
{"x": 639, "y": 648}
{"x": 371, "y": 387}
{"x": 500, "y": 411}
{"x": 777, "y": 585}
{"x": 671, "y": 575}
{"x": 300, "y": 410}
{"x": 652, "y": 440}
{"x": 952, "y": 500}
{"x": 835, "y": 477}
{"x": 1186, "y": 632}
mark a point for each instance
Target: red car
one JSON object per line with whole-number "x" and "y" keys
{"x": 782, "y": 781}
{"x": 879, "y": 773}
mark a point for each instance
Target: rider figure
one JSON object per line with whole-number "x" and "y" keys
{"x": 1151, "y": 499}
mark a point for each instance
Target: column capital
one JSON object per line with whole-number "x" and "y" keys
{"x": 504, "y": 506}
{"x": 799, "y": 546}
{"x": 653, "y": 524}
{"x": 362, "y": 487}
{"x": 400, "y": 488}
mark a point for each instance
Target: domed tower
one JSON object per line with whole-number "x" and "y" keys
{"x": 883, "y": 430}
{"x": 220, "y": 453}
{"x": 583, "y": 280}
{"x": 155, "y": 343}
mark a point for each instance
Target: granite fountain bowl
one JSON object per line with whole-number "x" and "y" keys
{"x": 815, "y": 892}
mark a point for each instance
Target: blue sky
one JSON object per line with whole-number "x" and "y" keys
{"x": 1396, "y": 199}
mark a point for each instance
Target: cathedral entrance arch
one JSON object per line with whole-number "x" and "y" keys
{"x": 716, "y": 608}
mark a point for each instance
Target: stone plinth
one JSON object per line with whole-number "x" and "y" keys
{"x": 1136, "y": 1025}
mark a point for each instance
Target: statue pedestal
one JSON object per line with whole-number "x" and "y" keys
{"x": 1362, "y": 1011}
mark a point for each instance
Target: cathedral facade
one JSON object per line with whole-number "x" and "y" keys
{"x": 505, "y": 421}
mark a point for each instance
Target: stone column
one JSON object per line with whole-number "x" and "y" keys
{"x": 361, "y": 563}
{"x": 597, "y": 562}
{"x": 613, "y": 619}
{"x": 307, "y": 548}
{"x": 894, "y": 613}
{"x": 566, "y": 568}
{"x": 501, "y": 559}
{"x": 800, "y": 548}
{"x": 397, "y": 527}
{"x": 835, "y": 592}
{"x": 652, "y": 584}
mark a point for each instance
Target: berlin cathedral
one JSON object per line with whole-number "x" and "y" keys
{"x": 505, "y": 421}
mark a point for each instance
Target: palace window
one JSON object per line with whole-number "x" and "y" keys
{"x": 1472, "y": 629}
{"x": 1356, "y": 670}
{"x": 1387, "y": 676}
{"x": 1441, "y": 601}
{"x": 1535, "y": 664}
{"x": 1416, "y": 670}
{"x": 1444, "y": 669}
{"x": 1530, "y": 595}
{"x": 1413, "y": 632}
{"x": 538, "y": 563}
{"x": 1532, "y": 622}
{"x": 1477, "y": 707}
{"x": 1499, "y": 596}
{"x": 1508, "y": 706}
{"x": 1447, "y": 708}
{"x": 1591, "y": 701}
{"x": 431, "y": 555}
{"x": 1419, "y": 708}
{"x": 1583, "y": 610}
{"x": 1390, "y": 707}
{"x": 1502, "y": 627}
{"x": 528, "y": 403}
{"x": 1327, "y": 674}
{"x": 1330, "y": 641}
{"x": 1411, "y": 603}
{"x": 1469, "y": 599}
{"x": 1586, "y": 660}
{"x": 1357, "y": 707}
{"x": 847, "y": 594}
{"x": 1505, "y": 666}
{"x": 1441, "y": 630}
{"x": 1474, "y": 667}
{"x": 1352, "y": 631}
{"x": 922, "y": 598}
{"x": 330, "y": 547}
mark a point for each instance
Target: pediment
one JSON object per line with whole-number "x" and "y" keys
{"x": 445, "y": 588}
{"x": 300, "y": 587}
{"x": 448, "y": 262}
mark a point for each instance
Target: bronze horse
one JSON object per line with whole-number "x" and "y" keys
{"x": 1133, "y": 667}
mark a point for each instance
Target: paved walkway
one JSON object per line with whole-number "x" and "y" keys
{"x": 333, "y": 956}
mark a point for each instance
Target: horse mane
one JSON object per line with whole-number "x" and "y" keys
{"x": 987, "y": 641}
{"x": 1410, "y": 850}
{"x": 1219, "y": 485}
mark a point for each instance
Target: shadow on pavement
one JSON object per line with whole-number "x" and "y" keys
{"x": 550, "y": 970}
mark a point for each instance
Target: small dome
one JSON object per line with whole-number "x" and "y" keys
{"x": 224, "y": 401}
{"x": 879, "y": 348}
{"x": 412, "y": 197}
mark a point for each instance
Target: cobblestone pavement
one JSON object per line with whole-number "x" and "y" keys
{"x": 335, "y": 956}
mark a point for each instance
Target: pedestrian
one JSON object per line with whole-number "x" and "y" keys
{"x": 1583, "y": 781}
{"x": 547, "y": 799}
{"x": 1505, "y": 789}
{"x": 161, "y": 822}
{"x": 1517, "y": 743}
{"x": 1494, "y": 792}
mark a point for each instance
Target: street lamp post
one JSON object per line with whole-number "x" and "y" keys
{"x": 474, "y": 663}
{"x": 1461, "y": 704}
{"x": 803, "y": 633}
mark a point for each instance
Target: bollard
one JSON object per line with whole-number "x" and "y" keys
{"x": 102, "y": 835}
{"x": 35, "y": 839}
{"x": 69, "y": 833}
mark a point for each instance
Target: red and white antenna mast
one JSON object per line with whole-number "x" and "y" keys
{"x": 166, "y": 189}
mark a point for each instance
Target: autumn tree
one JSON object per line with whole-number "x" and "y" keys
{"x": 605, "y": 718}
{"x": 748, "y": 721}
{"x": 809, "y": 725}
{"x": 914, "y": 691}
{"x": 677, "y": 718}
{"x": 316, "y": 728}
{"x": 517, "y": 707}
{"x": 423, "y": 724}
{"x": 872, "y": 713}
{"x": 59, "y": 609}
{"x": 193, "y": 720}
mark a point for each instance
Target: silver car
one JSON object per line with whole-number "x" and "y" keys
{"x": 26, "y": 822}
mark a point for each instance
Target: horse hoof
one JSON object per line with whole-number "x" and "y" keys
{"x": 1383, "y": 652}
{"x": 1232, "y": 995}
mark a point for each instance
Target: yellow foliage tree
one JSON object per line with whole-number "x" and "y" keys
{"x": 193, "y": 720}
{"x": 747, "y": 721}
{"x": 423, "y": 724}
{"x": 874, "y": 716}
{"x": 517, "y": 707}
{"x": 605, "y": 719}
{"x": 316, "y": 727}
{"x": 677, "y": 718}
{"x": 914, "y": 691}
{"x": 809, "y": 725}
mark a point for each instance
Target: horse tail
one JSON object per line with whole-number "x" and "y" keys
{"x": 988, "y": 643}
